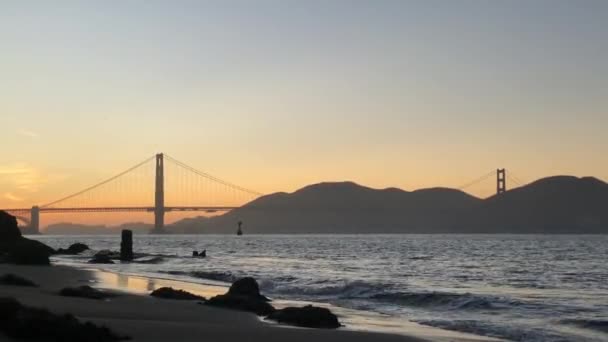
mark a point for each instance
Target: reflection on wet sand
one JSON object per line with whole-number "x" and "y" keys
{"x": 142, "y": 285}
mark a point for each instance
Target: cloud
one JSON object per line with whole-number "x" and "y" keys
{"x": 20, "y": 176}
{"x": 9, "y": 196}
{"x": 27, "y": 133}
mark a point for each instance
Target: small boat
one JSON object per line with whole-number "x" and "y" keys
{"x": 239, "y": 231}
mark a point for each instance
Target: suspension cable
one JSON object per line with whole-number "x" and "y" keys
{"x": 473, "y": 182}
{"x": 98, "y": 184}
{"x": 213, "y": 178}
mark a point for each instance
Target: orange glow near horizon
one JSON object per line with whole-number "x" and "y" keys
{"x": 385, "y": 94}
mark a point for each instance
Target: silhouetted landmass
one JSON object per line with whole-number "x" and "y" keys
{"x": 561, "y": 204}
{"x": 16, "y": 249}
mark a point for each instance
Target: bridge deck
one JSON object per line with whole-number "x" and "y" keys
{"x": 120, "y": 209}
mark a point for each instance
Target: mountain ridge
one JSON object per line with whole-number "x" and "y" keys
{"x": 556, "y": 204}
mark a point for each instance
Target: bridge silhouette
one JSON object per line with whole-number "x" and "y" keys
{"x": 203, "y": 191}
{"x": 194, "y": 190}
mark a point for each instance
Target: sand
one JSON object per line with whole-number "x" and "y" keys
{"x": 149, "y": 319}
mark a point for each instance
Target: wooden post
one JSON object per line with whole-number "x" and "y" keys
{"x": 126, "y": 245}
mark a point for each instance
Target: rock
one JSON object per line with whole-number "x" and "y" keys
{"x": 246, "y": 287}
{"x": 15, "y": 280}
{"x": 104, "y": 257}
{"x": 84, "y": 292}
{"x": 244, "y": 295}
{"x": 8, "y": 308}
{"x": 74, "y": 249}
{"x": 308, "y": 316}
{"x": 14, "y": 248}
{"x": 26, "y": 323}
{"x": 243, "y": 303}
{"x": 9, "y": 230}
{"x": 101, "y": 259}
{"x": 171, "y": 293}
{"x": 29, "y": 252}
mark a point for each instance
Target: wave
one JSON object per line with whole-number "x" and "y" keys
{"x": 451, "y": 301}
{"x": 593, "y": 324}
{"x": 149, "y": 260}
{"x": 226, "y": 277}
{"x": 510, "y": 332}
{"x": 382, "y": 293}
{"x": 348, "y": 290}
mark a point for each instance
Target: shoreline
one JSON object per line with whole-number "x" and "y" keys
{"x": 146, "y": 318}
{"x": 352, "y": 320}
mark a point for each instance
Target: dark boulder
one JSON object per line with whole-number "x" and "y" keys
{"x": 8, "y": 308}
{"x": 100, "y": 259}
{"x": 15, "y": 280}
{"x": 246, "y": 287}
{"x": 28, "y": 252}
{"x": 14, "y": 248}
{"x": 84, "y": 292}
{"x": 171, "y": 293}
{"x": 9, "y": 230}
{"x": 104, "y": 257}
{"x": 243, "y": 295}
{"x": 308, "y": 316}
{"x": 74, "y": 249}
{"x": 242, "y": 303}
{"x": 26, "y": 323}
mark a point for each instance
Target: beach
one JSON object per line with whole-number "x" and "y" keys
{"x": 146, "y": 318}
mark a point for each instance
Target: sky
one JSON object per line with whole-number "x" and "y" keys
{"x": 275, "y": 95}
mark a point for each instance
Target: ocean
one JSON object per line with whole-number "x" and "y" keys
{"x": 512, "y": 287}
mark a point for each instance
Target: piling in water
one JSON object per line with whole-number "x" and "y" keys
{"x": 126, "y": 245}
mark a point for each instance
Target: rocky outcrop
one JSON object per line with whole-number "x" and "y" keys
{"x": 14, "y": 248}
{"x": 9, "y": 231}
{"x": 104, "y": 257}
{"x": 247, "y": 287}
{"x": 15, "y": 280}
{"x": 21, "y": 322}
{"x": 84, "y": 292}
{"x": 308, "y": 316}
{"x": 171, "y": 293}
{"x": 243, "y": 295}
{"x": 74, "y": 249}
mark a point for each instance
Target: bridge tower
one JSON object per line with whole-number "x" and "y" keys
{"x": 501, "y": 181}
{"x": 159, "y": 196}
{"x": 34, "y": 220}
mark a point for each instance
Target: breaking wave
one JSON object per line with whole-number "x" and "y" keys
{"x": 226, "y": 277}
{"x": 355, "y": 289}
{"x": 450, "y": 301}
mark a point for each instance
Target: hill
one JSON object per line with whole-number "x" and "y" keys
{"x": 561, "y": 204}
{"x": 341, "y": 208}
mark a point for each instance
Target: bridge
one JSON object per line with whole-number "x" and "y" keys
{"x": 193, "y": 190}
{"x": 203, "y": 191}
